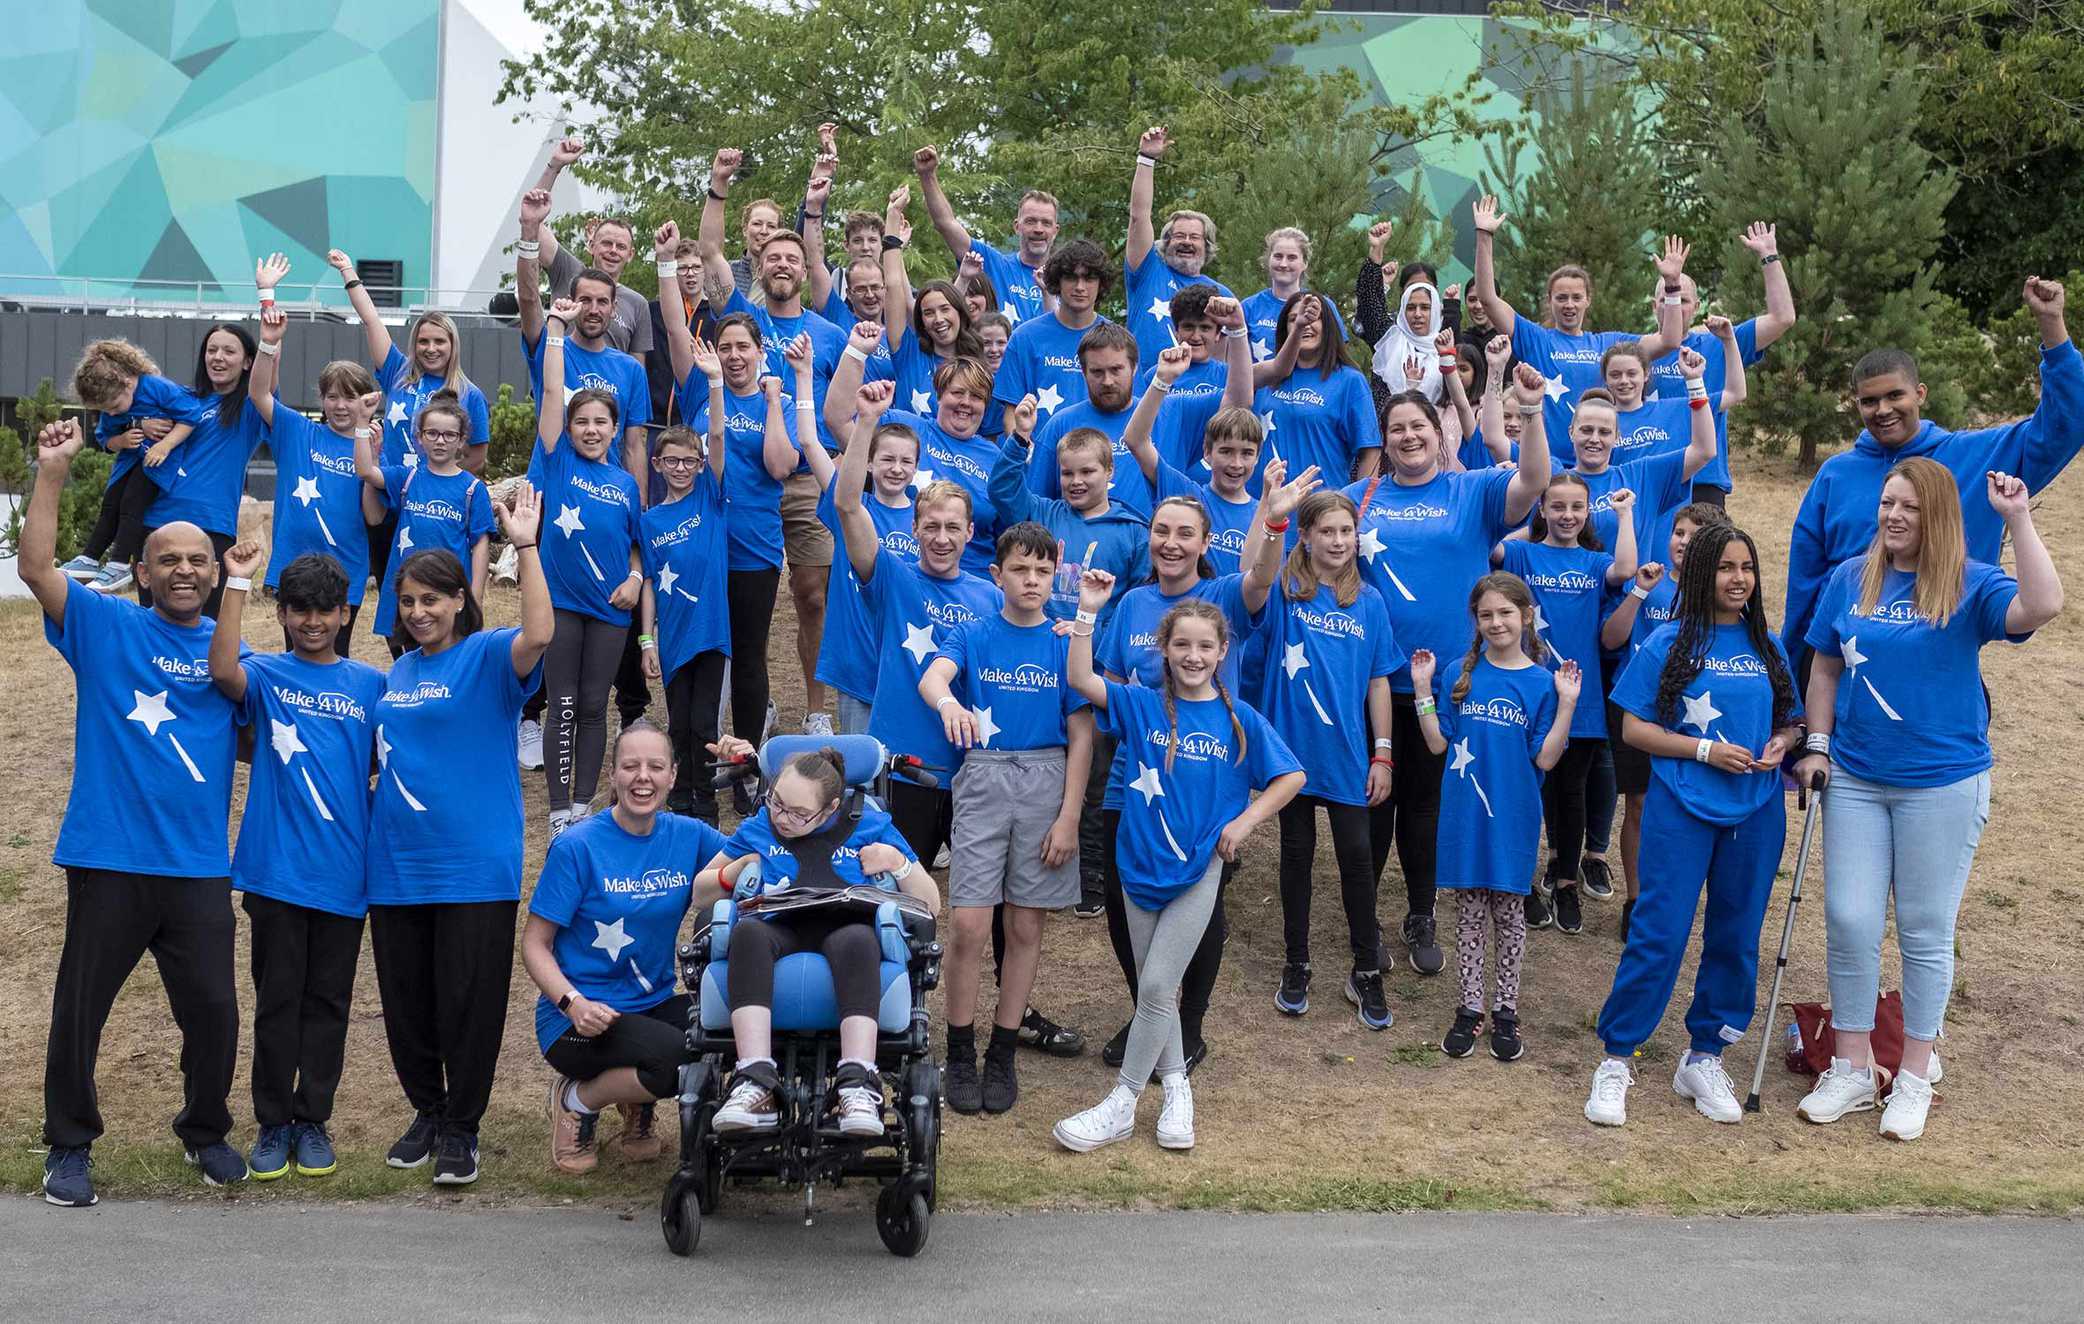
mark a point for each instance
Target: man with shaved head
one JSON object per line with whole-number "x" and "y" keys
{"x": 143, "y": 841}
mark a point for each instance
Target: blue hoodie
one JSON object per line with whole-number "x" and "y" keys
{"x": 1117, "y": 541}
{"x": 1837, "y": 518}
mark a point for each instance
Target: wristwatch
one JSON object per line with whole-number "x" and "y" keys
{"x": 565, "y": 1003}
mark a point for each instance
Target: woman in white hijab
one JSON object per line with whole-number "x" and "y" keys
{"x": 1411, "y": 336}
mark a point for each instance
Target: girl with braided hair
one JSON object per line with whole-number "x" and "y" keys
{"x": 1507, "y": 719}
{"x": 1701, "y": 695}
{"x": 1198, "y": 755}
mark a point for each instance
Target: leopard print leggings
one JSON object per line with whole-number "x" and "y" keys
{"x": 1478, "y": 910}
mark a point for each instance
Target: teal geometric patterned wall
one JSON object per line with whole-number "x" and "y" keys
{"x": 172, "y": 140}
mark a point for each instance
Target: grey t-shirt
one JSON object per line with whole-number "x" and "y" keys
{"x": 629, "y": 330}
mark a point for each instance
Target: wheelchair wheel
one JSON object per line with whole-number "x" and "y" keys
{"x": 710, "y": 1191}
{"x": 923, "y": 1126}
{"x": 902, "y": 1220}
{"x": 680, "y": 1218}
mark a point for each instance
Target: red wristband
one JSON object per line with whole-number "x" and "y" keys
{"x": 1697, "y": 404}
{"x": 1384, "y": 759}
{"x": 1272, "y": 527}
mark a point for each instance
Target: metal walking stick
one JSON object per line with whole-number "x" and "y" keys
{"x": 1787, "y": 936}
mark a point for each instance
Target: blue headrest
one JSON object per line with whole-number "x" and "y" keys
{"x": 864, "y": 755}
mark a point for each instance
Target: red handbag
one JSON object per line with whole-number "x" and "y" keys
{"x": 1812, "y": 1045}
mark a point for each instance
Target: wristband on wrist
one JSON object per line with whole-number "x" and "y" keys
{"x": 267, "y": 296}
{"x": 1085, "y": 617}
{"x": 1077, "y": 633}
{"x": 714, "y": 194}
{"x": 1769, "y": 259}
{"x": 668, "y": 269}
{"x": 1529, "y": 411}
{"x": 1160, "y": 385}
{"x": 528, "y": 248}
{"x": 944, "y": 701}
{"x": 1277, "y": 526}
{"x": 1382, "y": 742}
{"x": 1703, "y": 749}
{"x": 363, "y": 432}
{"x": 646, "y": 641}
{"x": 892, "y": 242}
{"x": 1696, "y": 388}
{"x": 1672, "y": 301}
{"x": 239, "y": 582}
{"x": 553, "y": 342}
{"x": 1449, "y": 361}
{"x": 814, "y": 216}
{"x": 1233, "y": 333}
{"x": 521, "y": 546}
{"x": 852, "y": 353}
{"x": 637, "y": 575}
{"x": 1383, "y": 759}
{"x": 270, "y": 350}
{"x": 1143, "y": 160}
{"x": 903, "y": 871}
{"x": 1697, "y": 402}
{"x": 354, "y": 284}
{"x": 1817, "y": 742}
{"x": 1425, "y": 707}
{"x": 1638, "y": 592}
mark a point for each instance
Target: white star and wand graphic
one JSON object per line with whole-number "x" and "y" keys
{"x": 1701, "y": 712}
{"x": 288, "y": 744}
{"x": 1160, "y": 310}
{"x": 306, "y": 494}
{"x": 151, "y": 712}
{"x": 1854, "y": 660}
{"x": 1294, "y": 661}
{"x": 1371, "y": 547}
{"x": 1048, "y": 399}
{"x": 669, "y": 584}
{"x": 1148, "y": 783}
{"x": 1261, "y": 351}
{"x": 1555, "y": 388}
{"x": 986, "y": 728}
{"x": 396, "y": 414}
{"x": 404, "y": 537}
{"x": 921, "y": 401}
{"x": 1460, "y": 767}
{"x": 383, "y": 761}
{"x": 918, "y": 642}
{"x": 569, "y": 521}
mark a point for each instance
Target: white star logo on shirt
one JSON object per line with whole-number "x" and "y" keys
{"x": 1147, "y": 782}
{"x": 666, "y": 576}
{"x": 1854, "y": 658}
{"x": 307, "y": 491}
{"x": 1463, "y": 759}
{"x": 921, "y": 401}
{"x": 151, "y": 711}
{"x": 405, "y": 537}
{"x": 1261, "y": 351}
{"x": 922, "y": 479}
{"x": 1266, "y": 421}
{"x": 1554, "y": 387}
{"x": 569, "y": 391}
{"x": 286, "y": 740}
{"x": 1371, "y": 544}
{"x": 1160, "y": 310}
{"x": 383, "y": 750}
{"x": 568, "y": 520}
{"x": 1701, "y": 712}
{"x": 611, "y": 938}
{"x": 397, "y": 414}
{"x": 1048, "y": 399}
{"x": 1541, "y": 622}
{"x": 1293, "y": 660}
{"x": 919, "y": 643}
{"x": 986, "y": 728}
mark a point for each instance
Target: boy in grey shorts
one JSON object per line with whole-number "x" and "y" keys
{"x": 998, "y": 684}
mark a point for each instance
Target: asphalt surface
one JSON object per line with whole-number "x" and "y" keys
{"x": 144, "y": 1260}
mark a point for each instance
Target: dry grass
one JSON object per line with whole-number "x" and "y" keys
{"x": 1315, "y": 1114}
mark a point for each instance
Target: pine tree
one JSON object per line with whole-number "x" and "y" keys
{"x": 1860, "y": 208}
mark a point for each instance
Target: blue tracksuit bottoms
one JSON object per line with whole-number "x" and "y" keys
{"x": 1681, "y": 853}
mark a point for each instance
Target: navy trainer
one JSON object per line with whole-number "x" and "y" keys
{"x": 66, "y": 1182}
{"x": 220, "y": 1164}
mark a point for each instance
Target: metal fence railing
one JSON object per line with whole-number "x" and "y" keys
{"x": 210, "y": 299}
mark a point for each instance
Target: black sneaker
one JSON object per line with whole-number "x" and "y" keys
{"x": 1627, "y": 913}
{"x": 1001, "y": 1083}
{"x": 221, "y": 1165}
{"x": 1505, "y": 1035}
{"x": 1426, "y": 956}
{"x": 1461, "y": 1040}
{"x": 456, "y": 1163}
{"x": 1570, "y": 913}
{"x": 1539, "y": 916}
{"x": 742, "y": 800}
{"x": 1364, "y": 991}
{"x": 1598, "y": 881}
{"x": 1089, "y": 904}
{"x": 1292, "y": 998}
{"x": 417, "y": 1145}
{"x": 1197, "y": 1053}
{"x": 961, "y": 1087}
{"x": 66, "y": 1180}
{"x": 1039, "y": 1032}
{"x": 1117, "y": 1048}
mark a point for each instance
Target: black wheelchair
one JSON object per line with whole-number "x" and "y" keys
{"x": 807, "y": 1148}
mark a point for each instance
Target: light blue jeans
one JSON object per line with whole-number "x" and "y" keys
{"x": 853, "y": 714}
{"x": 1917, "y": 844}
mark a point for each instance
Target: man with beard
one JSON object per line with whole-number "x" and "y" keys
{"x": 1016, "y": 277}
{"x": 153, "y": 744}
{"x": 784, "y": 262}
{"x": 610, "y": 243}
{"x": 1154, "y": 272}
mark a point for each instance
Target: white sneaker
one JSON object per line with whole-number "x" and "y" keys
{"x": 749, "y": 1107}
{"x": 1607, "y": 1105}
{"x": 1909, "y": 1101}
{"x": 1708, "y": 1085}
{"x": 82, "y": 568}
{"x": 1112, "y": 1118}
{"x": 1176, "y": 1120}
{"x": 817, "y": 724}
{"x": 1841, "y": 1090}
{"x": 560, "y": 819}
{"x": 531, "y": 750}
{"x": 1935, "y": 1073}
{"x": 860, "y": 1111}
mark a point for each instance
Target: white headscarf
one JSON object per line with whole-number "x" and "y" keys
{"x": 1400, "y": 342}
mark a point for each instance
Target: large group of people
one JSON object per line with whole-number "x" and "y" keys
{"x": 1128, "y": 591}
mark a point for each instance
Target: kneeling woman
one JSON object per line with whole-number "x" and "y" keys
{"x": 809, "y": 832}
{"x": 1709, "y": 699}
{"x": 608, "y": 1022}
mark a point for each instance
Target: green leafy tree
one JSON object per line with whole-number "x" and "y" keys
{"x": 513, "y": 435}
{"x": 1320, "y": 187}
{"x": 80, "y": 502}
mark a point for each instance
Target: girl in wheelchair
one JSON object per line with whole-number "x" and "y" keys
{"x": 809, "y": 832}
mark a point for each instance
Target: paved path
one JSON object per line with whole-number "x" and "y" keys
{"x": 134, "y": 1261}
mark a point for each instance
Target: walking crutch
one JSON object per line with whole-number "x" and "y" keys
{"x": 1787, "y": 937}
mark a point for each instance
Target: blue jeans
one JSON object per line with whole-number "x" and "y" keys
{"x": 1917, "y": 843}
{"x": 853, "y": 715}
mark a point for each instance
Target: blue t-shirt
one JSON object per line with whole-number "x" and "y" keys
{"x": 881, "y": 365}
{"x": 1116, "y": 540}
{"x": 586, "y": 556}
{"x": 435, "y": 511}
{"x": 407, "y": 393}
{"x": 1490, "y": 792}
{"x": 913, "y": 612}
{"x": 1652, "y": 612}
{"x": 1126, "y": 486}
{"x": 1325, "y": 421}
{"x": 1730, "y": 699}
{"x": 1655, "y": 427}
{"x": 1909, "y": 712}
{"x": 1012, "y": 678}
{"x": 1571, "y": 364}
{"x": 756, "y": 836}
{"x": 914, "y": 366}
{"x": 1668, "y": 382}
{"x": 752, "y": 496}
{"x": 1129, "y": 646}
{"x": 306, "y": 825}
{"x": 847, "y": 649}
{"x": 1320, "y": 660}
{"x": 1421, "y": 547}
{"x": 1147, "y": 294}
{"x": 1042, "y": 360}
{"x": 827, "y": 343}
{"x": 684, "y": 553}
{"x": 617, "y": 901}
{"x": 206, "y": 476}
{"x": 964, "y": 460}
{"x": 152, "y": 742}
{"x": 318, "y": 499}
{"x": 154, "y": 397}
{"x": 1263, "y": 320}
{"x": 1181, "y": 427}
{"x": 1660, "y": 487}
{"x": 1171, "y": 817}
{"x": 605, "y": 369}
{"x": 1570, "y": 601}
{"x": 447, "y": 823}
{"x": 1229, "y": 521}
{"x": 1018, "y": 285}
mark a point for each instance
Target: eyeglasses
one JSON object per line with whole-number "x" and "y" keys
{"x": 679, "y": 462}
{"x": 789, "y": 814}
{"x": 434, "y": 435}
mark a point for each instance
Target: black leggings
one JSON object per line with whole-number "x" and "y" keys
{"x": 220, "y": 543}
{"x": 1563, "y": 806}
{"x": 442, "y": 973}
{"x": 1199, "y": 983}
{"x": 1095, "y": 847}
{"x": 850, "y": 948}
{"x": 119, "y": 530}
{"x": 692, "y": 693}
{"x": 632, "y": 687}
{"x": 1410, "y": 817}
{"x": 380, "y": 537}
{"x": 1357, "y": 884}
{"x": 751, "y": 595}
{"x": 653, "y": 1040}
{"x": 577, "y": 670}
{"x": 341, "y": 641}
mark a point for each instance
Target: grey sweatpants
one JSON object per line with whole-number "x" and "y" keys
{"x": 1164, "y": 942}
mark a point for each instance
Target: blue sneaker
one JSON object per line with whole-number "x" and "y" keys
{"x": 66, "y": 1182}
{"x": 270, "y": 1157}
{"x": 1293, "y": 997}
{"x": 315, "y": 1156}
{"x": 82, "y": 568}
{"x": 220, "y": 1163}
{"x": 1364, "y": 991}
